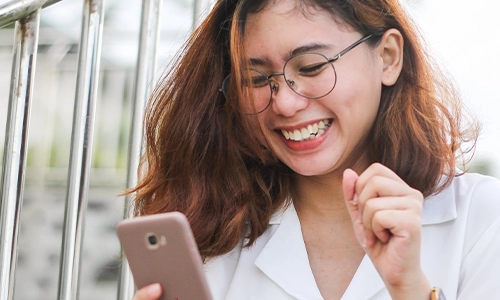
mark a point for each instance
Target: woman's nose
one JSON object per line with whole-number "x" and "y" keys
{"x": 285, "y": 101}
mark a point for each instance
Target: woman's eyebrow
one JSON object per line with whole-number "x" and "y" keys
{"x": 257, "y": 61}
{"x": 310, "y": 48}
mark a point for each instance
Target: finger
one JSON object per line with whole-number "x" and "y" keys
{"x": 383, "y": 187}
{"x": 149, "y": 292}
{"x": 373, "y": 170}
{"x": 351, "y": 201}
{"x": 348, "y": 184}
{"x": 374, "y": 205}
{"x": 400, "y": 224}
{"x": 375, "y": 188}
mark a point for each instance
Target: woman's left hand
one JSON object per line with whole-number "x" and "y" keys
{"x": 386, "y": 215}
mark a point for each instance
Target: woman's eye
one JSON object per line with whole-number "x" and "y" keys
{"x": 311, "y": 70}
{"x": 257, "y": 81}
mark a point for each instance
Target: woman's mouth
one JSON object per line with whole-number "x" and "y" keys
{"x": 308, "y": 132}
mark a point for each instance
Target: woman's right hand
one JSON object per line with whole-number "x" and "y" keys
{"x": 149, "y": 292}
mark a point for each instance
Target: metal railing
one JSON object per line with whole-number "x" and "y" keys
{"x": 26, "y": 15}
{"x": 15, "y": 152}
{"x": 145, "y": 72}
{"x": 81, "y": 147}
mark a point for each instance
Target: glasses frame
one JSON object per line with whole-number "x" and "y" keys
{"x": 274, "y": 86}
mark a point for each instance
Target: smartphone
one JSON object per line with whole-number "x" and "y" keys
{"x": 161, "y": 248}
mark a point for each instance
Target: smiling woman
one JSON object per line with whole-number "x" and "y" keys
{"x": 312, "y": 146}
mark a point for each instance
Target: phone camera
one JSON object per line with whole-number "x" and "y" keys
{"x": 152, "y": 239}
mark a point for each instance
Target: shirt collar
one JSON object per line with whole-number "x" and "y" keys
{"x": 440, "y": 208}
{"x": 284, "y": 260}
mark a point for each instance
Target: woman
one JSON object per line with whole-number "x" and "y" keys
{"x": 300, "y": 138}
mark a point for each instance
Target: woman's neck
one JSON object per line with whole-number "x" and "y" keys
{"x": 322, "y": 197}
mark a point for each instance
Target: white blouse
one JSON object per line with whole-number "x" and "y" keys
{"x": 460, "y": 252}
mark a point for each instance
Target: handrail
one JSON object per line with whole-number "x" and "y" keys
{"x": 26, "y": 14}
{"x": 14, "y": 10}
{"x": 16, "y": 145}
{"x": 81, "y": 147}
{"x": 145, "y": 73}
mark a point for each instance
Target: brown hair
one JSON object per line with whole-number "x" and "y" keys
{"x": 202, "y": 159}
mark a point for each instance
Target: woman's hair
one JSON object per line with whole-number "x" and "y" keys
{"x": 201, "y": 157}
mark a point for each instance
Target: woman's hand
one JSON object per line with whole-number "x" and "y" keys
{"x": 149, "y": 292}
{"x": 386, "y": 215}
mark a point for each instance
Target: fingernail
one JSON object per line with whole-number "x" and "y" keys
{"x": 154, "y": 290}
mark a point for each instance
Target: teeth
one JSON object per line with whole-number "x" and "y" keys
{"x": 321, "y": 125}
{"x": 311, "y": 131}
{"x": 305, "y": 133}
{"x": 297, "y": 136}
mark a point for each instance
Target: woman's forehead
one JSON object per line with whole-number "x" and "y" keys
{"x": 290, "y": 7}
{"x": 282, "y": 14}
{"x": 273, "y": 30}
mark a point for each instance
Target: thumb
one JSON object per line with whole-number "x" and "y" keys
{"x": 149, "y": 292}
{"x": 348, "y": 187}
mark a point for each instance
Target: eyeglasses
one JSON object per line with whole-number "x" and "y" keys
{"x": 310, "y": 75}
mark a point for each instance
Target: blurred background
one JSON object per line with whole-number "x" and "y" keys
{"x": 461, "y": 36}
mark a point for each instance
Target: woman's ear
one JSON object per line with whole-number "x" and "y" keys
{"x": 391, "y": 52}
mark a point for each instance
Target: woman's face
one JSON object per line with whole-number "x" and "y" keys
{"x": 348, "y": 112}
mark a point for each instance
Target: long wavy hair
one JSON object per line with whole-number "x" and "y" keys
{"x": 202, "y": 158}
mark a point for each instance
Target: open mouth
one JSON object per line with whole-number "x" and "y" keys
{"x": 309, "y": 132}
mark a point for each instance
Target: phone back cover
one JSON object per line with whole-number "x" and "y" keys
{"x": 177, "y": 265}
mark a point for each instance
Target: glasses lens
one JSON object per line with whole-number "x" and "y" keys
{"x": 310, "y": 75}
{"x": 256, "y": 91}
